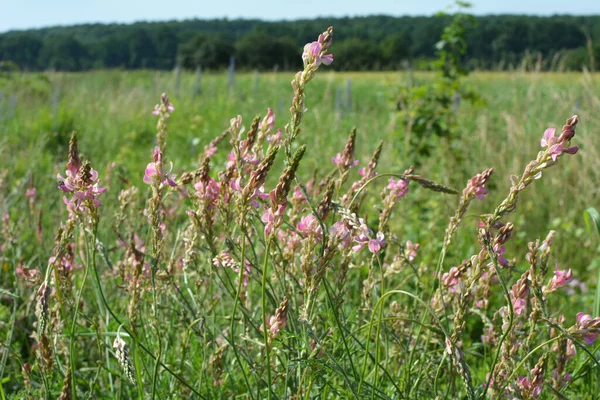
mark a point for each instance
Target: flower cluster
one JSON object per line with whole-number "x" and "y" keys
{"x": 155, "y": 173}
{"x": 315, "y": 52}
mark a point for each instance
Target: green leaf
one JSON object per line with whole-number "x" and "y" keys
{"x": 592, "y": 217}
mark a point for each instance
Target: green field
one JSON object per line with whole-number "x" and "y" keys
{"x": 190, "y": 328}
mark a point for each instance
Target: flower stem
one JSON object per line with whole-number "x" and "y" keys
{"x": 264, "y": 317}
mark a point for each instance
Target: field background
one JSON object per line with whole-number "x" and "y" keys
{"x": 111, "y": 110}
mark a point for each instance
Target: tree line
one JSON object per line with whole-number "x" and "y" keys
{"x": 361, "y": 43}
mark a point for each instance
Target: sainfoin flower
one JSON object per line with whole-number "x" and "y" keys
{"x": 82, "y": 181}
{"x": 555, "y": 144}
{"x": 340, "y": 231}
{"x": 276, "y": 138}
{"x": 156, "y": 110}
{"x": 309, "y": 225}
{"x": 476, "y": 185}
{"x": 272, "y": 218}
{"x": 208, "y": 191}
{"x": 527, "y": 386}
{"x": 411, "y": 250}
{"x": 155, "y": 172}
{"x": 374, "y": 244}
{"x": 398, "y": 188}
{"x": 268, "y": 122}
{"x": 31, "y": 192}
{"x": 312, "y": 54}
{"x": 587, "y": 327}
{"x": 341, "y": 161}
{"x": 560, "y": 278}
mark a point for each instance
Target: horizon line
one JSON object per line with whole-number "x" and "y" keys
{"x": 259, "y": 20}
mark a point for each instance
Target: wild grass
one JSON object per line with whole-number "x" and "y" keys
{"x": 198, "y": 286}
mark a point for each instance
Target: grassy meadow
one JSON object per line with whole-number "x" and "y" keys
{"x": 373, "y": 329}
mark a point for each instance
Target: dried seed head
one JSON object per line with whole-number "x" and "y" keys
{"x": 122, "y": 354}
{"x": 42, "y": 308}
{"x": 252, "y": 133}
{"x": 257, "y": 179}
{"x": 280, "y": 193}
{"x": 348, "y": 155}
{"x": 74, "y": 162}
{"x": 325, "y": 205}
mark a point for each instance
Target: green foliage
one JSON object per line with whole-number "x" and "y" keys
{"x": 592, "y": 220}
{"x": 427, "y": 111}
{"x": 379, "y": 42}
{"x": 111, "y": 110}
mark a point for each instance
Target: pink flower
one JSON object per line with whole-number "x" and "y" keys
{"x": 399, "y": 188}
{"x": 236, "y": 184}
{"x": 476, "y": 187}
{"x": 208, "y": 191}
{"x": 451, "y": 278}
{"x": 377, "y": 243}
{"x": 548, "y": 139}
{"x": 560, "y": 278}
{"x": 82, "y": 186}
{"x": 519, "y": 305}
{"x": 312, "y": 55}
{"x": 154, "y": 172}
{"x": 170, "y": 109}
{"x": 272, "y": 219}
{"x": 210, "y": 150}
{"x": 276, "y": 138}
{"x": 341, "y": 161}
{"x": 309, "y": 225}
{"x": 500, "y": 250}
{"x": 297, "y": 196}
{"x": 31, "y": 192}
{"x": 340, "y": 231}
{"x": 364, "y": 238}
{"x": 411, "y": 250}
{"x": 268, "y": 122}
{"x": 555, "y": 144}
{"x": 589, "y": 326}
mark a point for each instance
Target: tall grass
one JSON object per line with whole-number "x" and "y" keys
{"x": 225, "y": 259}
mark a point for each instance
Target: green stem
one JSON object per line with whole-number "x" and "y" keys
{"x": 520, "y": 364}
{"x": 235, "y": 306}
{"x": 91, "y": 261}
{"x": 264, "y": 317}
{"x": 377, "y": 341}
{"x": 137, "y": 342}
{"x": 494, "y": 259}
{"x": 380, "y": 303}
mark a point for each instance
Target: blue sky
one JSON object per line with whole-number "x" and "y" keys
{"x": 22, "y": 14}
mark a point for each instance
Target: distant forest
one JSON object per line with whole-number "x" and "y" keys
{"x": 361, "y": 43}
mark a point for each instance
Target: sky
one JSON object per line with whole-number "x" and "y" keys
{"x": 25, "y": 14}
